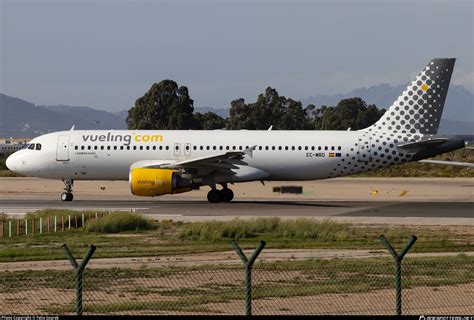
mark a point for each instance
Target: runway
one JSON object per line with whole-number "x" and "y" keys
{"x": 278, "y": 208}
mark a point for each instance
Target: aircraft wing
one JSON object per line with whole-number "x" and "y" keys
{"x": 451, "y": 163}
{"x": 223, "y": 162}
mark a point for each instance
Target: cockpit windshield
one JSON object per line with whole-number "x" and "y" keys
{"x": 32, "y": 146}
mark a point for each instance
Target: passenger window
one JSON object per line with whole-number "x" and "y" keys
{"x": 141, "y": 147}
{"x": 207, "y": 148}
{"x": 148, "y": 147}
{"x": 227, "y": 147}
{"x": 326, "y": 148}
{"x": 115, "y": 147}
{"x": 95, "y": 147}
{"x": 214, "y": 148}
{"x": 82, "y": 147}
{"x": 339, "y": 148}
{"x": 293, "y": 148}
{"x": 128, "y": 147}
{"x": 121, "y": 147}
{"x": 266, "y": 147}
{"x": 233, "y": 147}
{"x": 201, "y": 148}
{"x": 161, "y": 147}
{"x": 259, "y": 147}
{"x": 154, "y": 147}
{"x": 221, "y": 148}
{"x": 101, "y": 147}
{"x": 76, "y": 147}
{"x": 306, "y": 148}
{"x": 319, "y": 148}
{"x": 108, "y": 147}
{"x": 279, "y": 147}
{"x": 332, "y": 148}
{"x": 89, "y": 147}
{"x": 286, "y": 147}
{"x": 167, "y": 147}
{"x": 38, "y": 146}
{"x": 273, "y": 147}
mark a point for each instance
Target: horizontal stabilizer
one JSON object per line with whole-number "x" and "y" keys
{"x": 423, "y": 143}
{"x": 450, "y": 163}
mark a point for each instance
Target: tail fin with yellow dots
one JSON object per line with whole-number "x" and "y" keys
{"x": 418, "y": 109}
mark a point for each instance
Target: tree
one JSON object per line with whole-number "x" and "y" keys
{"x": 348, "y": 113}
{"x": 270, "y": 109}
{"x": 209, "y": 121}
{"x": 164, "y": 106}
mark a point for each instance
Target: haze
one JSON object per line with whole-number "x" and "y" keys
{"x": 106, "y": 54}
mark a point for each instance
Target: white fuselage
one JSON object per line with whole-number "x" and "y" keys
{"x": 281, "y": 155}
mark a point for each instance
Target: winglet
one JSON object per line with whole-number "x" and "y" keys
{"x": 271, "y": 127}
{"x": 72, "y": 128}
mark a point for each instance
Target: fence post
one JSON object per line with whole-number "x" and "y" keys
{"x": 248, "y": 264}
{"x": 9, "y": 228}
{"x": 26, "y": 227}
{"x": 49, "y": 224}
{"x": 33, "y": 227}
{"x": 82, "y": 224}
{"x": 79, "y": 269}
{"x": 69, "y": 219}
{"x": 41, "y": 225}
{"x": 398, "y": 257}
{"x": 1, "y": 229}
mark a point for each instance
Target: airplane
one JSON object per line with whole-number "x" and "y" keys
{"x": 159, "y": 162}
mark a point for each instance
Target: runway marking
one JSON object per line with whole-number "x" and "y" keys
{"x": 25, "y": 210}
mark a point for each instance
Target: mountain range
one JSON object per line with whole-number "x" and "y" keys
{"x": 20, "y": 118}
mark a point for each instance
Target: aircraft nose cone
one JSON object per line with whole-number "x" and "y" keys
{"x": 10, "y": 163}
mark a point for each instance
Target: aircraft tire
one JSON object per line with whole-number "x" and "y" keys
{"x": 226, "y": 195}
{"x": 66, "y": 196}
{"x": 214, "y": 196}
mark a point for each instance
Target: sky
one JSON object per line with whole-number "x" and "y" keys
{"x": 106, "y": 54}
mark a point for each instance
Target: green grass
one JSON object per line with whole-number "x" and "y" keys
{"x": 303, "y": 229}
{"x": 119, "y": 222}
{"x": 176, "y": 238}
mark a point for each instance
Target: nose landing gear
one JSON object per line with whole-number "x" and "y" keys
{"x": 67, "y": 196}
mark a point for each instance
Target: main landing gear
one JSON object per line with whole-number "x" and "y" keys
{"x": 224, "y": 195}
{"x": 67, "y": 196}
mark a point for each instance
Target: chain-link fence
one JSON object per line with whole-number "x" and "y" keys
{"x": 431, "y": 284}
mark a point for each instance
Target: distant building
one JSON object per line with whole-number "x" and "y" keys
{"x": 10, "y": 145}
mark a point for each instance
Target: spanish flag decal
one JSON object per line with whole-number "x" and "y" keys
{"x": 332, "y": 154}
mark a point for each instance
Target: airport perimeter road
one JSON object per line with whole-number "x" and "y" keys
{"x": 167, "y": 208}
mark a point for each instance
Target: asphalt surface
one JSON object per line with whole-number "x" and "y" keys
{"x": 253, "y": 208}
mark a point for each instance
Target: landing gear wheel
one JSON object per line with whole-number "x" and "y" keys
{"x": 214, "y": 196}
{"x": 66, "y": 196}
{"x": 227, "y": 195}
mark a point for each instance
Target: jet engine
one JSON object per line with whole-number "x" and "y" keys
{"x": 155, "y": 182}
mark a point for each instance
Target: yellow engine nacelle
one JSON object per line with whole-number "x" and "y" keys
{"x": 155, "y": 182}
